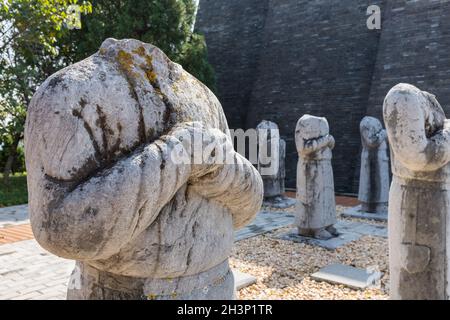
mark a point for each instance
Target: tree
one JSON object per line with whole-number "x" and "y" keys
{"x": 167, "y": 24}
{"x": 29, "y": 53}
{"x": 35, "y": 42}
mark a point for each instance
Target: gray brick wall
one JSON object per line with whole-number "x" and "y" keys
{"x": 414, "y": 48}
{"x": 234, "y": 30}
{"x": 279, "y": 59}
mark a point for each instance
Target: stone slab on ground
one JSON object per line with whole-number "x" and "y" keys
{"x": 243, "y": 280}
{"x": 264, "y": 221}
{"x": 354, "y": 278}
{"x": 356, "y": 212}
{"x": 349, "y": 231}
{"x": 14, "y": 215}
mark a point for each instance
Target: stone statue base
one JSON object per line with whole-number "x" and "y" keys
{"x": 320, "y": 233}
{"x": 359, "y": 212}
{"x": 88, "y": 283}
{"x": 374, "y": 208}
{"x": 279, "y": 202}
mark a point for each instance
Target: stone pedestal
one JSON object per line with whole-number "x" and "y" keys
{"x": 419, "y": 200}
{"x": 216, "y": 283}
{"x": 107, "y": 186}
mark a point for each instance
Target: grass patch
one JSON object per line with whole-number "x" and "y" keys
{"x": 15, "y": 192}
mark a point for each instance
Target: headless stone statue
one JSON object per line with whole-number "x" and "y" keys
{"x": 273, "y": 179}
{"x": 104, "y": 189}
{"x": 374, "y": 174}
{"x": 419, "y": 199}
{"x": 269, "y": 141}
{"x": 316, "y": 205}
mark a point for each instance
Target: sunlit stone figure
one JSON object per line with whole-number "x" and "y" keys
{"x": 419, "y": 200}
{"x": 105, "y": 190}
{"x": 316, "y": 205}
{"x": 374, "y": 175}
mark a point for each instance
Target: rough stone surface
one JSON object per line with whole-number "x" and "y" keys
{"x": 374, "y": 175}
{"x": 355, "y": 278}
{"x": 419, "y": 200}
{"x": 316, "y": 204}
{"x": 104, "y": 190}
{"x": 348, "y": 232}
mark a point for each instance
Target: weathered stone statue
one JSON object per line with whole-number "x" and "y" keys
{"x": 419, "y": 200}
{"x": 374, "y": 174}
{"x": 105, "y": 189}
{"x": 272, "y": 166}
{"x": 316, "y": 205}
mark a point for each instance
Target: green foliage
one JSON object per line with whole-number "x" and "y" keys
{"x": 35, "y": 42}
{"x": 166, "y": 24}
{"x": 29, "y": 53}
{"x": 5, "y": 151}
{"x": 194, "y": 58}
{"x": 15, "y": 192}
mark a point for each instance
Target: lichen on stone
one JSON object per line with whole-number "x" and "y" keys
{"x": 140, "y": 51}
{"x": 125, "y": 60}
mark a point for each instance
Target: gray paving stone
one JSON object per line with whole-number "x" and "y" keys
{"x": 31, "y": 275}
{"x": 356, "y": 212}
{"x": 243, "y": 280}
{"x": 355, "y": 278}
{"x": 349, "y": 231}
{"x": 265, "y": 221}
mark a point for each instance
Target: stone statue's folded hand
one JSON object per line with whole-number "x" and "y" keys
{"x": 447, "y": 125}
{"x": 331, "y": 141}
{"x": 205, "y": 149}
{"x": 217, "y": 171}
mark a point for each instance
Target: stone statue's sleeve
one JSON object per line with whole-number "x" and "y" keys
{"x": 312, "y": 145}
{"x": 236, "y": 186}
{"x": 406, "y": 120}
{"x": 373, "y": 140}
{"x": 97, "y": 216}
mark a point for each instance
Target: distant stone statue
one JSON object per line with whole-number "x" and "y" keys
{"x": 419, "y": 200}
{"x": 272, "y": 166}
{"x": 105, "y": 189}
{"x": 374, "y": 174}
{"x": 316, "y": 205}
